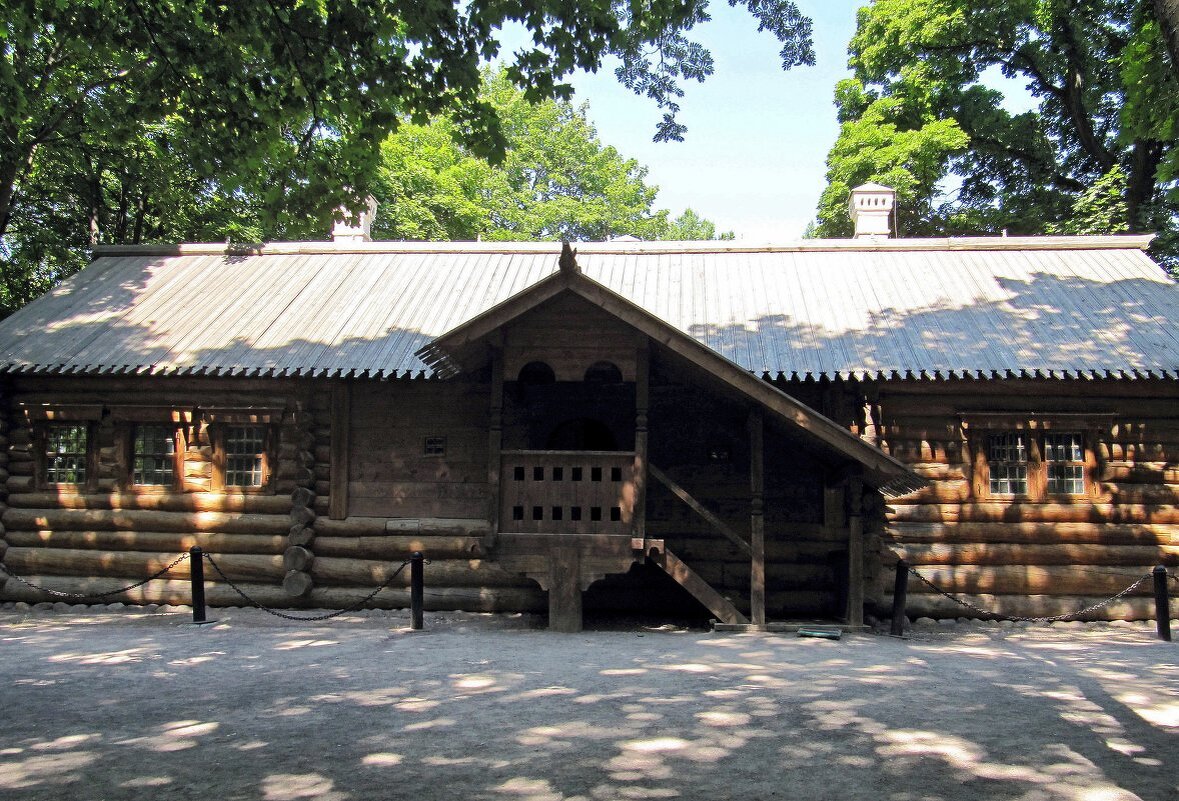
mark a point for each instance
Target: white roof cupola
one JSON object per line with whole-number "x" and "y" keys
{"x": 870, "y": 206}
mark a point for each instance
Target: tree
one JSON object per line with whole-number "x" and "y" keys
{"x": 556, "y": 181}
{"x": 690, "y": 226}
{"x": 290, "y": 100}
{"x": 921, "y": 113}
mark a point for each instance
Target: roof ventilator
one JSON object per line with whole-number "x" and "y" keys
{"x": 870, "y": 206}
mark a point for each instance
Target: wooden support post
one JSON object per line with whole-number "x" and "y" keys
{"x": 900, "y": 590}
{"x": 757, "y": 528}
{"x": 1162, "y": 605}
{"x": 855, "y": 552}
{"x": 495, "y": 442}
{"x": 642, "y": 403}
{"x": 341, "y": 413}
{"x": 417, "y": 584}
{"x": 565, "y": 589}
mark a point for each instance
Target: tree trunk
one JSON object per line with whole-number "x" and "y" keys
{"x": 1167, "y": 12}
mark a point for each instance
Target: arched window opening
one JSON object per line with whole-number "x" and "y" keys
{"x": 537, "y": 373}
{"x": 603, "y": 373}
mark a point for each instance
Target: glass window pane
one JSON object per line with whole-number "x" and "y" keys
{"x": 154, "y": 455}
{"x": 1065, "y": 455}
{"x": 245, "y": 447}
{"x": 66, "y": 454}
{"x": 1007, "y": 457}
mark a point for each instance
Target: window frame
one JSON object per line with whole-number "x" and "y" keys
{"x": 1035, "y": 433}
{"x": 179, "y": 447}
{"x": 217, "y": 437}
{"x": 41, "y": 461}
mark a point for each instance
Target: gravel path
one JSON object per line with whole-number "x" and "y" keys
{"x": 99, "y": 704}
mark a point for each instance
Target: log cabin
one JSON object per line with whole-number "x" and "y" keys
{"x": 751, "y": 433}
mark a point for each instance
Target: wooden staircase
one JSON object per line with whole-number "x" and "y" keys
{"x": 699, "y": 589}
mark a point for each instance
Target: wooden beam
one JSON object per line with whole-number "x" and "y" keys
{"x": 699, "y": 509}
{"x": 757, "y": 527}
{"x": 341, "y": 419}
{"x": 700, "y": 589}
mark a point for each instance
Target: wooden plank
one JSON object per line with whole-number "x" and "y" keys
{"x": 495, "y": 441}
{"x": 703, "y": 592}
{"x": 642, "y": 409}
{"x": 699, "y": 509}
{"x": 341, "y": 417}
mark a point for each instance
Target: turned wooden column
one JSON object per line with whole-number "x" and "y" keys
{"x": 855, "y": 551}
{"x": 495, "y": 442}
{"x": 757, "y": 528}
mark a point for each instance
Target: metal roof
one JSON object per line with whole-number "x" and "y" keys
{"x": 1062, "y": 306}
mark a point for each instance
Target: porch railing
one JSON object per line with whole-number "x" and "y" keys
{"x": 567, "y": 492}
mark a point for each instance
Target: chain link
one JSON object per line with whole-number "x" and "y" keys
{"x": 300, "y": 618}
{"x": 1018, "y": 619}
{"x": 95, "y": 595}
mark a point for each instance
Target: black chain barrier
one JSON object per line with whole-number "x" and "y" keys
{"x": 1018, "y": 619}
{"x": 90, "y": 596}
{"x": 312, "y": 618}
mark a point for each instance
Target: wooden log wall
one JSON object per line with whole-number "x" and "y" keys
{"x": 279, "y": 546}
{"x": 1041, "y": 557}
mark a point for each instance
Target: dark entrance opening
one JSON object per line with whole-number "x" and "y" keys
{"x": 582, "y": 434}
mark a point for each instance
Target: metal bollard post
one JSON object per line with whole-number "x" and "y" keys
{"x": 900, "y": 591}
{"x": 196, "y": 572}
{"x": 1162, "y": 606}
{"x": 416, "y": 587}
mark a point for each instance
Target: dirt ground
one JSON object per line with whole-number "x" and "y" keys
{"x": 129, "y": 705}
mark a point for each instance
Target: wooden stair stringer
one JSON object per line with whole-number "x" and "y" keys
{"x": 699, "y": 589}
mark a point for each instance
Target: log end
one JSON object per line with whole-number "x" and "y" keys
{"x": 301, "y": 536}
{"x": 297, "y": 558}
{"x": 298, "y": 584}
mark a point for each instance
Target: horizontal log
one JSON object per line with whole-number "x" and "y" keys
{"x": 939, "y": 471}
{"x": 1123, "y": 493}
{"x": 1032, "y": 554}
{"x": 1142, "y": 472}
{"x": 192, "y": 502}
{"x": 439, "y": 599}
{"x": 161, "y": 591}
{"x": 133, "y": 564}
{"x": 1080, "y": 512}
{"x": 1022, "y": 532}
{"x": 777, "y": 551}
{"x": 162, "y": 541}
{"x": 392, "y": 546}
{"x": 446, "y": 573}
{"x": 940, "y": 491}
{"x": 434, "y": 526}
{"x": 140, "y": 520}
{"x": 938, "y": 606}
{"x": 1032, "y": 579}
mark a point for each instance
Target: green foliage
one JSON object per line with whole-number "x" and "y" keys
{"x": 690, "y": 226}
{"x": 922, "y": 114}
{"x": 130, "y": 122}
{"x": 556, "y": 181}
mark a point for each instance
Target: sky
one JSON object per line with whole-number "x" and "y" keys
{"x": 753, "y": 158}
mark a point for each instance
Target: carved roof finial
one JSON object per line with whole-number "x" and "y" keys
{"x": 568, "y": 260}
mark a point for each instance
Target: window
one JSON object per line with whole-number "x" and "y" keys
{"x": 245, "y": 456}
{"x": 1007, "y": 457}
{"x": 1035, "y": 465}
{"x": 1065, "y": 456}
{"x": 153, "y": 456}
{"x": 67, "y": 454}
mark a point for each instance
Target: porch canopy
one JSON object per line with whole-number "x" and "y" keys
{"x": 466, "y": 347}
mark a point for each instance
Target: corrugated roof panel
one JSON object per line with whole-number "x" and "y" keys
{"x": 834, "y": 309}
